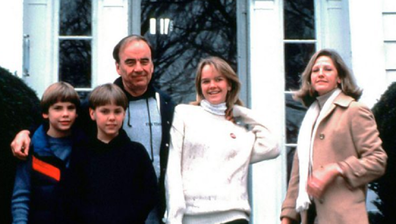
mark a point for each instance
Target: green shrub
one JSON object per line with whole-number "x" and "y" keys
{"x": 385, "y": 187}
{"x": 19, "y": 109}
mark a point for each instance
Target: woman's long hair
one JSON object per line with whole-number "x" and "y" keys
{"x": 224, "y": 69}
{"x": 348, "y": 85}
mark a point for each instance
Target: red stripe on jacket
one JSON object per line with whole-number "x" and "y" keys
{"x": 46, "y": 169}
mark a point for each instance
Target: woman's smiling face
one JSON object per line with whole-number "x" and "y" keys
{"x": 324, "y": 75}
{"x": 214, "y": 86}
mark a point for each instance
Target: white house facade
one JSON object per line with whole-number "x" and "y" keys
{"x": 362, "y": 31}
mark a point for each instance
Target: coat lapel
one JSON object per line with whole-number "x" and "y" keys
{"x": 341, "y": 100}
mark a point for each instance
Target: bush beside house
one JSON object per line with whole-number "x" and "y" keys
{"x": 19, "y": 109}
{"x": 385, "y": 187}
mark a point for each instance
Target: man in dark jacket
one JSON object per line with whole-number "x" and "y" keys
{"x": 148, "y": 117}
{"x": 150, "y": 112}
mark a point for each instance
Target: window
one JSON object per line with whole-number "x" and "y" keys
{"x": 184, "y": 31}
{"x": 299, "y": 46}
{"x": 75, "y": 43}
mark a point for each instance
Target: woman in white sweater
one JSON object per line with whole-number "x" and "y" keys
{"x": 213, "y": 141}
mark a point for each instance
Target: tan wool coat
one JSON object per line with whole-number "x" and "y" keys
{"x": 348, "y": 135}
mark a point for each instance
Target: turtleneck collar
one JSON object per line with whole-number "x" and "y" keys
{"x": 218, "y": 109}
{"x": 323, "y": 98}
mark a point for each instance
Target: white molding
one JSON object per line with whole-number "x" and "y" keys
{"x": 243, "y": 44}
{"x": 135, "y": 15}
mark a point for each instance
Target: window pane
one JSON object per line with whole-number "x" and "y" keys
{"x": 299, "y": 19}
{"x": 295, "y": 112}
{"x": 75, "y": 17}
{"x": 296, "y": 58}
{"x": 75, "y": 62}
{"x": 184, "y": 32}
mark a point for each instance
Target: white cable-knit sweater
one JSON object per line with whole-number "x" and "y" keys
{"x": 206, "y": 179}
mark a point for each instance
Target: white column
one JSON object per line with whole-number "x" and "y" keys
{"x": 367, "y": 47}
{"x": 332, "y": 19}
{"x": 112, "y": 26}
{"x": 268, "y": 179}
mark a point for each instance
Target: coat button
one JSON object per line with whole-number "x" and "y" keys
{"x": 321, "y": 136}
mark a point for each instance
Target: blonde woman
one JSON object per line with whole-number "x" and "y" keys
{"x": 213, "y": 142}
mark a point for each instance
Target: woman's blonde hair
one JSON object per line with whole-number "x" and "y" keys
{"x": 225, "y": 70}
{"x": 348, "y": 85}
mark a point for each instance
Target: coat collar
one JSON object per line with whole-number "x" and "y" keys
{"x": 343, "y": 100}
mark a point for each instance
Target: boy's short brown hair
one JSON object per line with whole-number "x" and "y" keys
{"x": 107, "y": 94}
{"x": 59, "y": 92}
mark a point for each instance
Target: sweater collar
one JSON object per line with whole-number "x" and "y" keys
{"x": 217, "y": 109}
{"x": 120, "y": 139}
{"x": 149, "y": 93}
{"x": 322, "y": 99}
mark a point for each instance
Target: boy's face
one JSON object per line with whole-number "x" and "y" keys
{"x": 108, "y": 119}
{"x": 61, "y": 116}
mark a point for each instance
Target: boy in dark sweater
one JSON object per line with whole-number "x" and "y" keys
{"x": 36, "y": 193}
{"x": 111, "y": 179}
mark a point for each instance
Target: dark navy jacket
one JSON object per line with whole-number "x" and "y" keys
{"x": 167, "y": 108}
{"x": 36, "y": 190}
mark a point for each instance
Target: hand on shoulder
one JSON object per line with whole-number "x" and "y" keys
{"x": 20, "y": 145}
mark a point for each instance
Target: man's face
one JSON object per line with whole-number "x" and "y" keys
{"x": 135, "y": 67}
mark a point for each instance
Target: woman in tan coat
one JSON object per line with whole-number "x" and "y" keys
{"x": 339, "y": 150}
